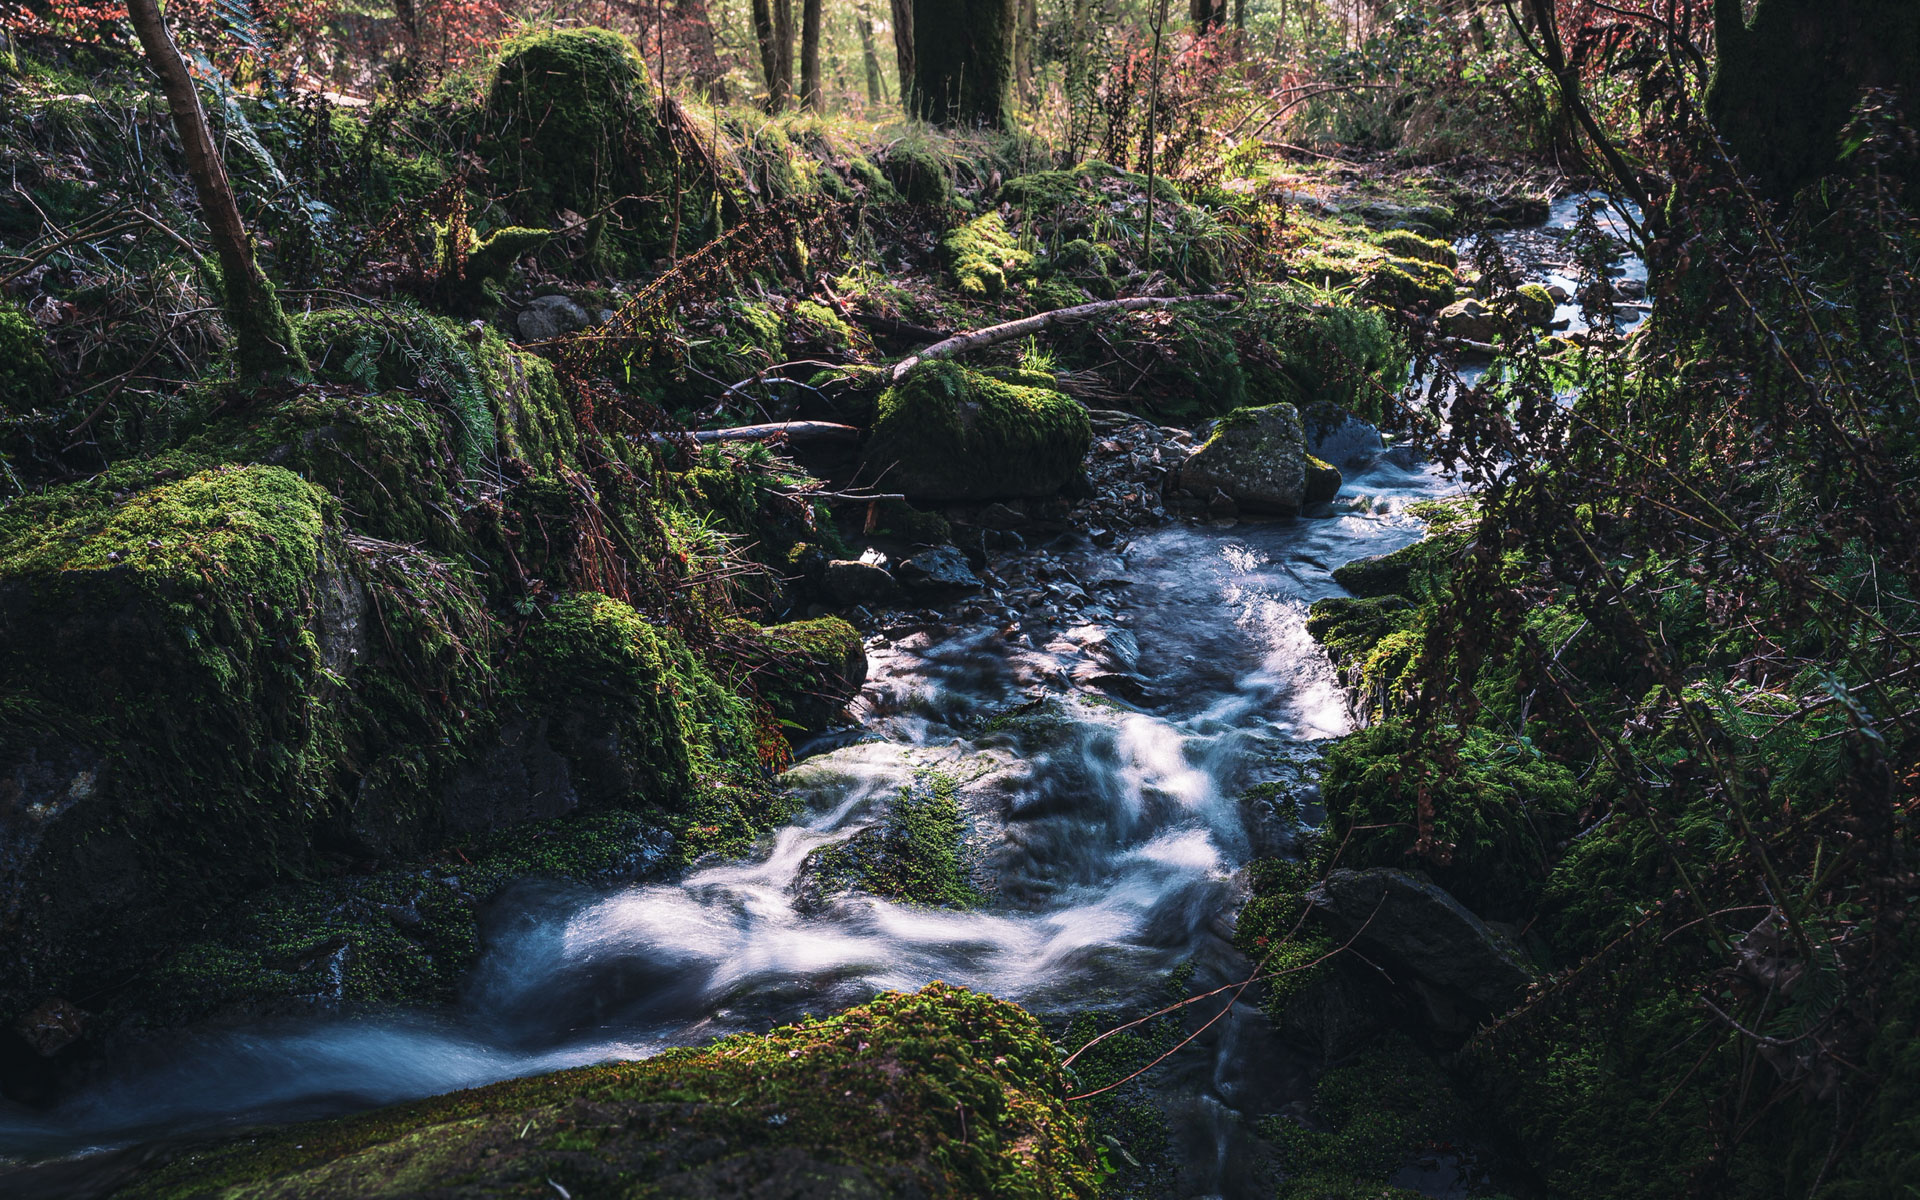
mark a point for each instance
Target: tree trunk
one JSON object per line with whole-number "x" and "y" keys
{"x": 810, "y": 54}
{"x": 963, "y": 61}
{"x": 765, "y": 39}
{"x": 1785, "y": 84}
{"x": 783, "y": 52}
{"x": 1206, "y": 14}
{"x": 1026, "y": 36}
{"x": 870, "y": 57}
{"x": 696, "y": 34}
{"x": 903, "y": 47}
{"x": 266, "y": 344}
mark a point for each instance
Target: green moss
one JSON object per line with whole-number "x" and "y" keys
{"x": 806, "y": 671}
{"x": 1499, "y": 809}
{"x": 946, "y": 432}
{"x": 943, "y": 1092}
{"x": 985, "y": 258}
{"x": 1534, "y": 304}
{"x": 919, "y": 174}
{"x": 206, "y": 643}
{"x": 375, "y": 941}
{"x": 813, "y": 325}
{"x": 1409, "y": 571}
{"x": 916, "y": 855}
{"x": 1404, "y": 283}
{"x": 1404, "y": 243}
{"x": 1271, "y": 931}
{"x": 421, "y": 353}
{"x": 1371, "y": 1117}
{"x": 26, "y": 377}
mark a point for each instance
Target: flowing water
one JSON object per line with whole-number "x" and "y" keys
{"x": 1184, "y": 678}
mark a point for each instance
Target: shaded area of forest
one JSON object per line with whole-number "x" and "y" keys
{"x": 358, "y": 556}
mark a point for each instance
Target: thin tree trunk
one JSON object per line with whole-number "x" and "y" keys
{"x": 1026, "y": 34}
{"x": 266, "y": 344}
{"x": 903, "y": 48}
{"x": 810, "y": 54}
{"x": 783, "y": 51}
{"x": 766, "y": 40}
{"x": 870, "y": 56}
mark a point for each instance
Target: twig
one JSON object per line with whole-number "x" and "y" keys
{"x": 993, "y": 335}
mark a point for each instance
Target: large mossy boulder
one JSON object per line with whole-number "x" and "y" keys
{"x": 806, "y": 671}
{"x": 190, "y": 658}
{"x": 948, "y": 432}
{"x": 1256, "y": 456}
{"x": 943, "y": 1092}
{"x": 570, "y": 127}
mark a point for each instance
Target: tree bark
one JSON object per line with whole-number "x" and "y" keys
{"x": 783, "y": 51}
{"x": 1206, "y": 14}
{"x": 870, "y": 58}
{"x": 903, "y": 47}
{"x": 1785, "y": 83}
{"x": 810, "y": 54}
{"x": 696, "y": 35}
{"x": 265, "y": 341}
{"x": 963, "y": 61}
{"x": 765, "y": 42}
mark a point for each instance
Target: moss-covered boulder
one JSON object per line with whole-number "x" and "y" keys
{"x": 917, "y": 174}
{"x": 1256, "y": 456}
{"x": 806, "y": 671}
{"x": 940, "y": 1093}
{"x": 191, "y": 660}
{"x": 948, "y": 432}
{"x": 570, "y": 127}
{"x": 985, "y": 258}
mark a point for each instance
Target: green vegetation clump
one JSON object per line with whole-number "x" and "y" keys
{"x": 806, "y": 671}
{"x": 917, "y": 854}
{"x": 572, "y": 110}
{"x": 948, "y": 432}
{"x": 26, "y": 377}
{"x": 985, "y": 258}
{"x": 971, "y": 1089}
{"x": 918, "y": 174}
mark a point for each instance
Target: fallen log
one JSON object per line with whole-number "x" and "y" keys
{"x": 796, "y": 431}
{"x": 993, "y": 335}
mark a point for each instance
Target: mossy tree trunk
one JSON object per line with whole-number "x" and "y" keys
{"x": 696, "y": 34}
{"x": 810, "y": 54}
{"x": 1785, "y": 83}
{"x": 870, "y": 58}
{"x": 963, "y": 61}
{"x": 266, "y": 344}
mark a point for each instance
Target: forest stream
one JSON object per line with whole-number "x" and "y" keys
{"x": 1105, "y": 761}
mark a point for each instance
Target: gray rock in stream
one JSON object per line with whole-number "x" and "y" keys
{"x": 1339, "y": 437}
{"x": 549, "y": 317}
{"x": 1256, "y": 458}
{"x": 1459, "y": 968}
{"x": 941, "y": 569}
{"x": 851, "y": 581}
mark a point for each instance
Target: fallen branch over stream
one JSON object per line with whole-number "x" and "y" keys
{"x": 993, "y": 335}
{"x": 796, "y": 431}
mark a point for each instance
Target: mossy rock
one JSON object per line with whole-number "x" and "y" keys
{"x": 629, "y": 706}
{"x": 940, "y": 1093}
{"x": 1533, "y": 304}
{"x": 1404, "y": 243}
{"x": 916, "y": 853}
{"x": 1256, "y": 456}
{"x": 813, "y": 326}
{"x": 1410, "y": 283}
{"x": 194, "y": 659}
{"x": 985, "y": 258}
{"x": 1409, "y": 571}
{"x": 947, "y": 432}
{"x": 918, "y": 174}
{"x": 806, "y": 671}
{"x": 570, "y": 127}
